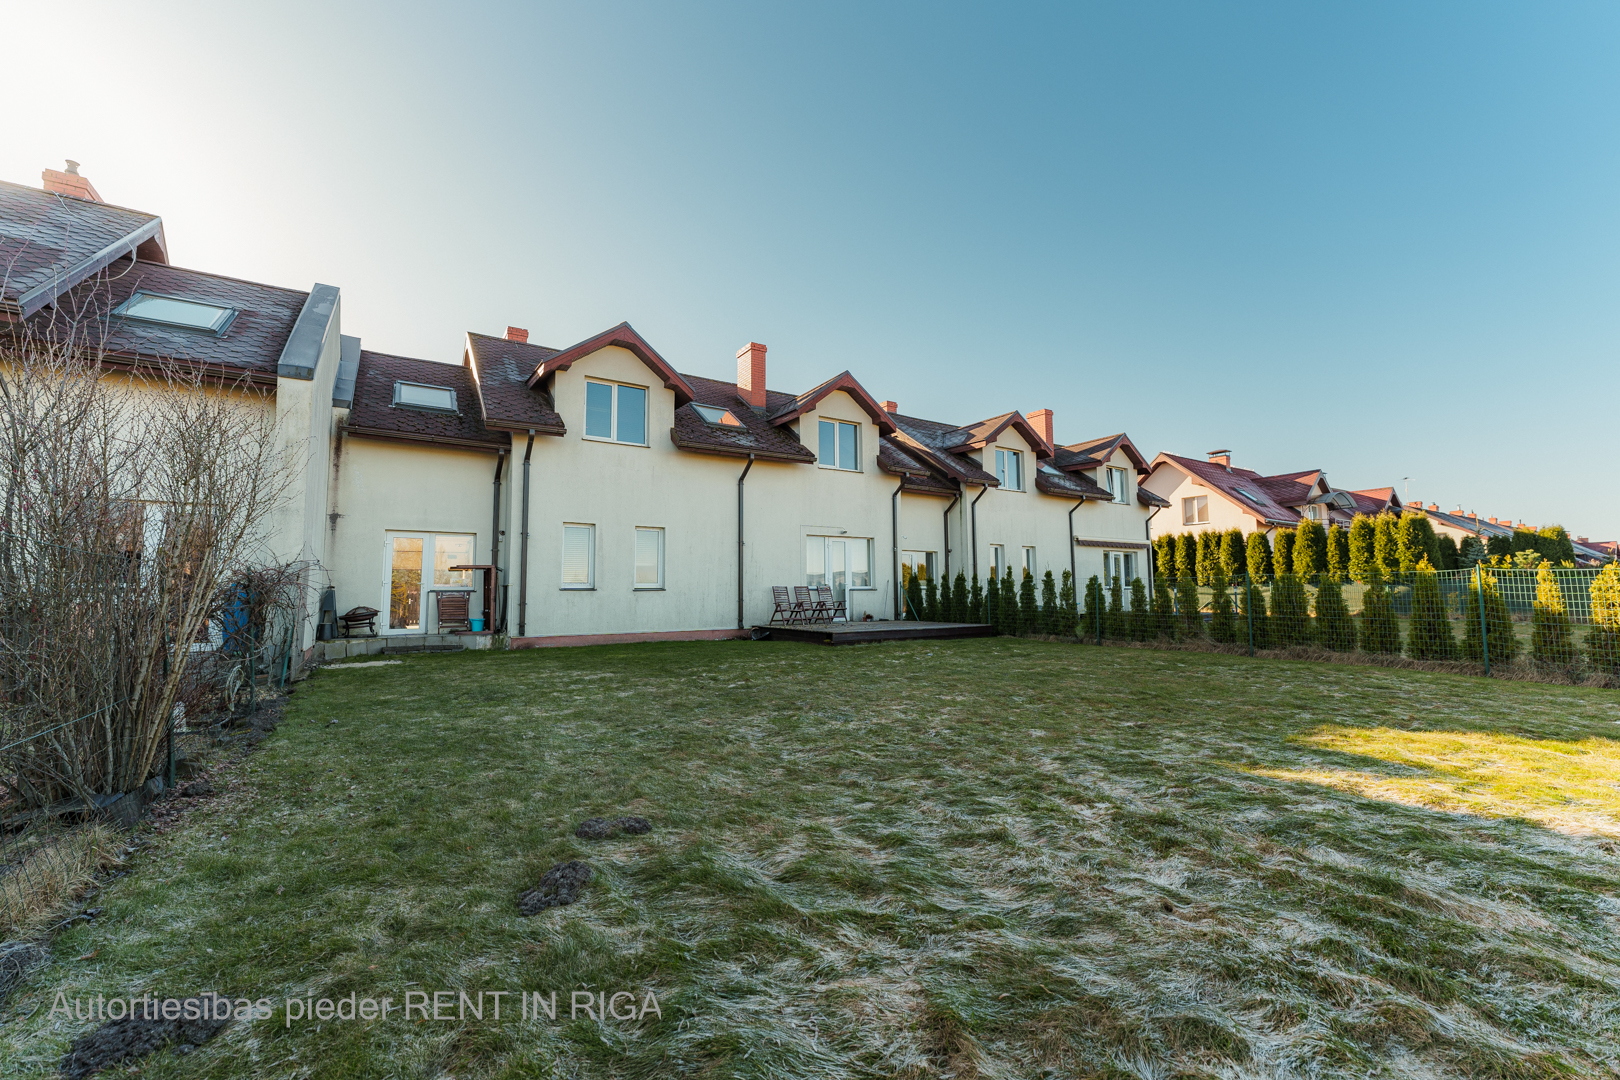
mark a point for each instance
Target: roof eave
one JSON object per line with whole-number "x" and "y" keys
{"x": 47, "y": 291}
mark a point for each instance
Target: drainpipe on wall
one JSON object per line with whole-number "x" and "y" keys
{"x": 523, "y": 549}
{"x": 973, "y": 514}
{"x": 740, "y": 480}
{"x": 1074, "y": 575}
{"x": 495, "y": 622}
{"x": 894, "y": 514}
{"x": 946, "y": 576}
{"x": 1147, "y": 534}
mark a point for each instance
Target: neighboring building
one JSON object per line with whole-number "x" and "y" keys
{"x": 1216, "y": 495}
{"x": 615, "y": 496}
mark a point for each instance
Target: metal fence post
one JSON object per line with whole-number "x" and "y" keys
{"x": 1248, "y": 607}
{"x": 1484, "y": 636}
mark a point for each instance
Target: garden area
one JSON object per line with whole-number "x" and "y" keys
{"x": 971, "y": 858}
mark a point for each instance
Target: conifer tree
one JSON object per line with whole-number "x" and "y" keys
{"x": 1254, "y": 594}
{"x": 1603, "y": 640}
{"x": 1363, "y": 553}
{"x": 914, "y": 596}
{"x": 1163, "y": 623}
{"x": 1234, "y": 559}
{"x": 1504, "y": 645}
{"x": 1091, "y": 624}
{"x": 1186, "y": 556}
{"x": 1499, "y": 546}
{"x": 1259, "y": 556}
{"x": 1207, "y": 555}
{"x": 992, "y": 601}
{"x": 1556, "y": 545}
{"x": 1380, "y": 633}
{"x": 1335, "y": 629}
{"x": 1221, "y": 627}
{"x": 1469, "y": 553}
{"x": 975, "y": 601}
{"x": 1014, "y": 605}
{"x": 1310, "y": 549}
{"x": 930, "y": 597}
{"x": 1068, "y": 613}
{"x": 1552, "y": 638}
{"x": 1428, "y": 634}
{"x": 1290, "y": 611}
{"x": 1114, "y": 624}
{"x": 1188, "y": 604}
{"x": 1386, "y": 548}
{"x": 1139, "y": 611}
{"x": 959, "y": 598}
{"x": 1164, "y": 556}
{"x": 1282, "y": 554}
{"x": 1447, "y": 549}
{"x": 1410, "y": 545}
{"x": 1338, "y": 554}
{"x": 1048, "y": 618}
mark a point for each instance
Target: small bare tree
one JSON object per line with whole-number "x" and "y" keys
{"x": 128, "y": 498}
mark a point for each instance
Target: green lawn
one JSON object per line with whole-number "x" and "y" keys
{"x": 993, "y": 857}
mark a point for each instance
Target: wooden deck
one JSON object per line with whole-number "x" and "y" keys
{"x": 856, "y": 633}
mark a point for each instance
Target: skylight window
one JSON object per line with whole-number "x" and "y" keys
{"x": 717, "y": 416}
{"x": 173, "y": 311}
{"x": 1247, "y": 494}
{"x": 423, "y": 396}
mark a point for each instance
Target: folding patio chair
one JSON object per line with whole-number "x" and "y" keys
{"x": 784, "y": 604}
{"x": 804, "y": 603}
{"x": 825, "y": 601}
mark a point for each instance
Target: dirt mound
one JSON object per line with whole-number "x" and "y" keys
{"x": 559, "y": 887}
{"x": 135, "y": 1036}
{"x": 601, "y": 828}
{"x": 635, "y": 826}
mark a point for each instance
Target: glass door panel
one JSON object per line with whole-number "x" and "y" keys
{"x": 405, "y": 583}
{"x": 836, "y": 568}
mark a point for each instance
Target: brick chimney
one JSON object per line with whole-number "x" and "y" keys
{"x": 1434, "y": 506}
{"x": 751, "y": 374}
{"x": 1580, "y": 539}
{"x": 1223, "y": 458}
{"x": 1041, "y": 419}
{"x": 70, "y": 183}
{"x": 1493, "y": 521}
{"x": 517, "y": 333}
{"x": 891, "y": 407}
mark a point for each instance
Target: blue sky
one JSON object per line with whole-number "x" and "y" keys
{"x": 1378, "y": 239}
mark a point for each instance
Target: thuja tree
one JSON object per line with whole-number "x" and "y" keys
{"x": 1552, "y": 638}
{"x": 1221, "y": 626}
{"x": 914, "y": 597}
{"x": 1386, "y": 552}
{"x": 1163, "y": 621}
{"x": 1091, "y": 623}
{"x": 1414, "y": 537}
{"x": 992, "y": 603}
{"x": 1114, "y": 623}
{"x": 1139, "y": 617}
{"x": 1192, "y": 621}
{"x": 1234, "y": 559}
{"x": 930, "y": 598}
{"x": 1380, "y": 633}
{"x": 1469, "y": 553}
{"x": 1164, "y": 556}
{"x": 1048, "y": 621}
{"x": 1259, "y": 556}
{"x": 1186, "y": 556}
{"x": 1068, "y": 613}
{"x": 1338, "y": 554}
{"x": 1363, "y": 552}
{"x": 976, "y": 600}
{"x": 1290, "y": 611}
{"x": 1252, "y": 612}
{"x": 1428, "y": 633}
{"x": 1282, "y": 553}
{"x": 1208, "y": 555}
{"x": 1447, "y": 549}
{"x": 1556, "y": 545}
{"x": 1310, "y": 549}
{"x": 1009, "y": 603}
{"x": 1498, "y": 546}
{"x": 1498, "y": 625}
{"x": 959, "y": 598}
{"x": 1603, "y": 640}
{"x": 1335, "y": 629}
{"x": 1029, "y": 611}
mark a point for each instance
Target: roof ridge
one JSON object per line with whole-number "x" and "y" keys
{"x": 212, "y": 274}
{"x": 75, "y": 198}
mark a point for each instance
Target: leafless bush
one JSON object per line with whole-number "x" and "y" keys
{"x": 128, "y": 498}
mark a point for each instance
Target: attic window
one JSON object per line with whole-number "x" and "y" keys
{"x": 1247, "y": 494}
{"x": 423, "y": 396}
{"x": 173, "y": 311}
{"x": 717, "y": 417}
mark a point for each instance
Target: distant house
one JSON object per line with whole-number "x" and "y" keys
{"x": 1216, "y": 495}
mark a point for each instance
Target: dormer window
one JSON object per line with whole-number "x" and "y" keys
{"x": 1119, "y": 485}
{"x": 174, "y": 311}
{"x": 428, "y": 398}
{"x": 1010, "y": 470}
{"x": 717, "y": 417}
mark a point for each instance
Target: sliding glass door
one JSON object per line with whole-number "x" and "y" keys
{"x": 418, "y": 567}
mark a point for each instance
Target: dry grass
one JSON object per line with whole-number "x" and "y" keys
{"x": 54, "y": 866}
{"x": 987, "y": 858}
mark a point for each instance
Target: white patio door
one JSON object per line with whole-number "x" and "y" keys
{"x": 418, "y": 565}
{"x": 838, "y": 568}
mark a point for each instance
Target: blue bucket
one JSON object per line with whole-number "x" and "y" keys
{"x": 477, "y": 625}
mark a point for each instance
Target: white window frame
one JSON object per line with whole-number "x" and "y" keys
{"x": 1030, "y": 562}
{"x": 1313, "y": 511}
{"x": 590, "y": 558}
{"x": 1016, "y": 457}
{"x": 1192, "y": 506}
{"x": 998, "y": 559}
{"x": 400, "y": 385}
{"x": 1119, "y": 484}
{"x": 613, "y": 414}
{"x": 838, "y": 463}
{"x": 657, "y": 533}
{"x": 426, "y": 586}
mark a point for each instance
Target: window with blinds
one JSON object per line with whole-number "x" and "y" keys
{"x": 649, "y": 558}
{"x": 579, "y": 556}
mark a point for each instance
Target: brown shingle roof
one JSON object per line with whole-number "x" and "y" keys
{"x": 974, "y": 436}
{"x": 1069, "y": 485}
{"x": 374, "y": 412}
{"x": 50, "y": 242}
{"x": 1102, "y": 449}
{"x": 1232, "y": 483}
{"x": 625, "y": 337}
{"x": 844, "y": 381}
{"x": 253, "y": 341}
{"x": 758, "y": 435}
{"x": 502, "y": 369}
{"x": 899, "y": 459}
{"x": 926, "y": 440}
